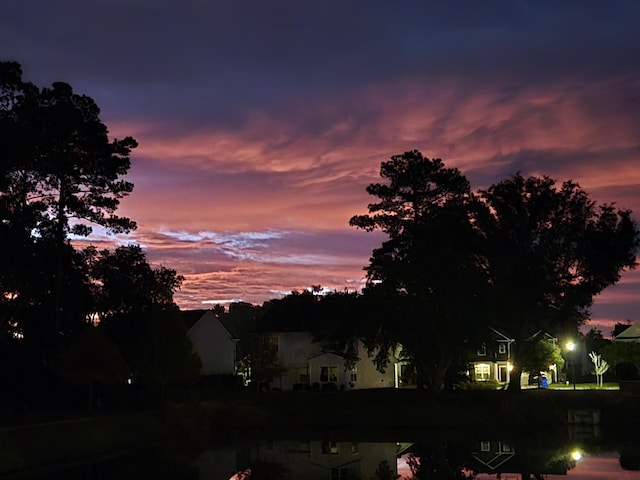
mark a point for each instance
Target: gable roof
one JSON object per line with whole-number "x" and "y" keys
{"x": 631, "y": 334}
{"x": 208, "y": 316}
{"x": 499, "y": 336}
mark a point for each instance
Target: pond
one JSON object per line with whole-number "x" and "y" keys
{"x": 578, "y": 452}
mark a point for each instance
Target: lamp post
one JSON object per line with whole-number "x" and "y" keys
{"x": 571, "y": 347}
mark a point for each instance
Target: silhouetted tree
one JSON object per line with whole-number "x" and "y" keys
{"x": 262, "y": 363}
{"x": 91, "y": 358}
{"x": 594, "y": 341}
{"x": 430, "y": 272}
{"x": 134, "y": 303}
{"x": 617, "y": 353}
{"x": 59, "y": 174}
{"x": 385, "y": 472}
{"x": 125, "y": 282}
{"x": 551, "y": 250}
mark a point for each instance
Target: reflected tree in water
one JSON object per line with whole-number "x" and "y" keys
{"x": 385, "y": 472}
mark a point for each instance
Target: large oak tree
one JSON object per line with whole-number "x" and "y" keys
{"x": 551, "y": 250}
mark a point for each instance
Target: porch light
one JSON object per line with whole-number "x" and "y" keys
{"x": 576, "y": 455}
{"x": 509, "y": 367}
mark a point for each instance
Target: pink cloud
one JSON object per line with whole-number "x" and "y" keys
{"x": 305, "y": 168}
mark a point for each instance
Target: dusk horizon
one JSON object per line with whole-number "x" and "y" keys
{"x": 259, "y": 127}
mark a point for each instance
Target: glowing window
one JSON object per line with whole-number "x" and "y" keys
{"x": 330, "y": 448}
{"x": 482, "y": 372}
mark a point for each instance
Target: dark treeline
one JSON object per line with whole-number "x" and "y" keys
{"x": 525, "y": 255}
{"x": 68, "y": 316}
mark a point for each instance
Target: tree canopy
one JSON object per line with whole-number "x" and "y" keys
{"x": 430, "y": 271}
{"x": 551, "y": 250}
{"x": 525, "y": 255}
{"x": 61, "y": 175}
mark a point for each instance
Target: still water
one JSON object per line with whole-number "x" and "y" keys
{"x": 541, "y": 454}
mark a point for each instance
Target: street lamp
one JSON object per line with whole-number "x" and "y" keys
{"x": 571, "y": 347}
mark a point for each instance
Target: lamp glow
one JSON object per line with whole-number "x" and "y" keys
{"x": 576, "y": 455}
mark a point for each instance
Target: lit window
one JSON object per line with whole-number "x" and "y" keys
{"x": 485, "y": 446}
{"x": 329, "y": 448}
{"x": 482, "y": 351}
{"x": 482, "y": 372}
{"x": 502, "y": 348}
{"x": 505, "y": 448}
{"x": 353, "y": 375}
{"x": 328, "y": 374}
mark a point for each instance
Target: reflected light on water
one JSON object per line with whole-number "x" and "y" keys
{"x": 242, "y": 475}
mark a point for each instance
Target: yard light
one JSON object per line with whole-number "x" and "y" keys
{"x": 576, "y": 455}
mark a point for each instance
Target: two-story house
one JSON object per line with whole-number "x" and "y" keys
{"x": 492, "y": 359}
{"x": 310, "y": 364}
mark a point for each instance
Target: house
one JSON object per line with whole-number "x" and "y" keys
{"x": 213, "y": 342}
{"x": 491, "y": 360}
{"x": 310, "y": 364}
{"x": 499, "y": 458}
{"x": 631, "y": 334}
{"x": 328, "y": 458}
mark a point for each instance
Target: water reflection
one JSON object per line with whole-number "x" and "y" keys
{"x": 544, "y": 454}
{"x": 433, "y": 457}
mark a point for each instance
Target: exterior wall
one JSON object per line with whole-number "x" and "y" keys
{"x": 294, "y": 351}
{"x": 335, "y": 364}
{"x": 214, "y": 344}
{"x": 304, "y": 361}
{"x": 323, "y": 460}
{"x": 369, "y": 377}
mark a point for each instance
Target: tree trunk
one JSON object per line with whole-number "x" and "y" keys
{"x": 515, "y": 379}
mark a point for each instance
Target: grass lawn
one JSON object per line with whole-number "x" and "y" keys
{"x": 585, "y": 386}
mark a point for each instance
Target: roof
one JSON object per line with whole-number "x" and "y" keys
{"x": 631, "y": 334}
{"x": 499, "y": 336}
{"x": 191, "y": 317}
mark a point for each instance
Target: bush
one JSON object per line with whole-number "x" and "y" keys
{"x": 488, "y": 385}
{"x": 626, "y": 371}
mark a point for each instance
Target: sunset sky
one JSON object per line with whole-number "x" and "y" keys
{"x": 260, "y": 123}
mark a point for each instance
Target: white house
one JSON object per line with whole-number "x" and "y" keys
{"x": 323, "y": 460}
{"x": 215, "y": 345}
{"x": 311, "y": 364}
